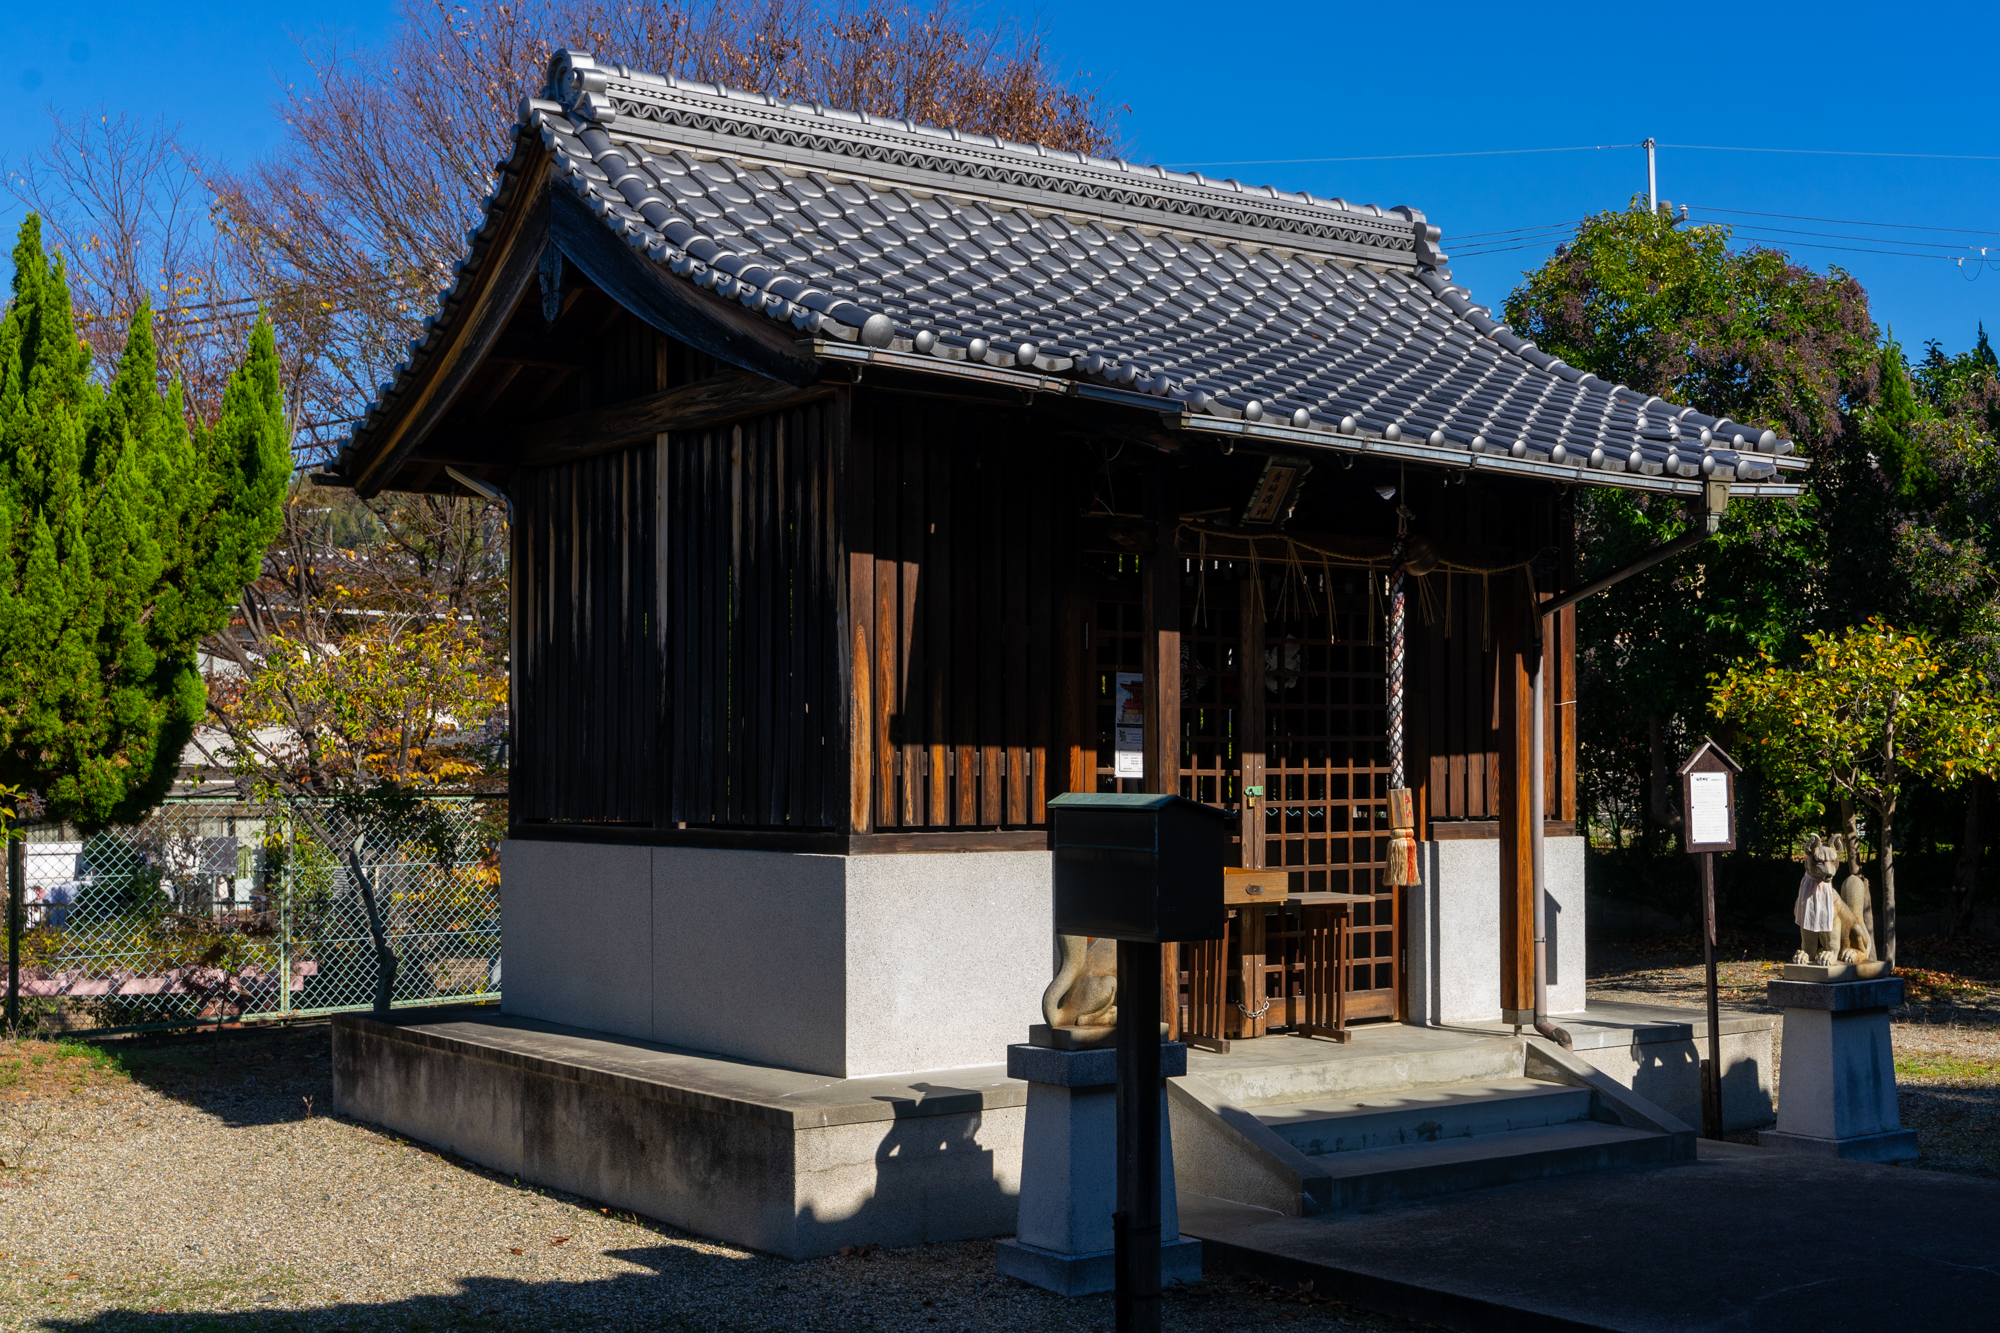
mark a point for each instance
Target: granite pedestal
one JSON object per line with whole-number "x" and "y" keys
{"x": 1837, "y": 1083}
{"x": 1069, "y": 1173}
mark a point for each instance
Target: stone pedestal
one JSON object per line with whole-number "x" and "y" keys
{"x": 1837, "y": 1073}
{"x": 1069, "y": 1173}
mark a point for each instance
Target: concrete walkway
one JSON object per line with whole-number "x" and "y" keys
{"x": 1740, "y": 1239}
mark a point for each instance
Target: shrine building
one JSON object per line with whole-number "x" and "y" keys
{"x": 872, "y": 484}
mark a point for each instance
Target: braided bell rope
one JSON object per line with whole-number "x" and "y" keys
{"x": 1396, "y": 619}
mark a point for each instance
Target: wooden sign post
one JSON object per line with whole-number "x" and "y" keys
{"x": 1708, "y": 826}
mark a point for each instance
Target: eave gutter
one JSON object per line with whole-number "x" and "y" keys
{"x": 1715, "y": 499}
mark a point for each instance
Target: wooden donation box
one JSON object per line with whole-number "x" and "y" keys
{"x": 1146, "y": 869}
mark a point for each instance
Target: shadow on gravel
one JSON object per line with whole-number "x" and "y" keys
{"x": 242, "y": 1077}
{"x": 674, "y": 1300}
{"x": 483, "y": 1303}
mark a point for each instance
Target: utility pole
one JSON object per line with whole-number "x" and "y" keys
{"x": 1652, "y": 180}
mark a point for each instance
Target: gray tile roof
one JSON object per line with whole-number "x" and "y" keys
{"x": 1247, "y": 310}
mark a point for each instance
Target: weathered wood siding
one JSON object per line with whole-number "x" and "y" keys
{"x": 749, "y": 575}
{"x": 956, "y": 542}
{"x": 678, "y": 633}
{"x": 1460, "y": 650}
{"x": 588, "y": 685}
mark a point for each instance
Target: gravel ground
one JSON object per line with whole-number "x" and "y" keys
{"x": 199, "y": 1186}
{"x": 1947, "y": 1040}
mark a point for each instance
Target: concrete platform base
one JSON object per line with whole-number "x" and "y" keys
{"x": 1896, "y": 1145}
{"x": 793, "y": 1164}
{"x": 1656, "y": 1050}
{"x": 1089, "y": 1274}
{"x": 1718, "y": 1244}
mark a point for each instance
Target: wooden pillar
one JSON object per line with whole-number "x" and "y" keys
{"x": 1250, "y": 720}
{"x": 1160, "y": 575}
{"x": 1561, "y": 686}
{"x": 856, "y": 480}
{"x": 1517, "y": 904}
{"x": 1247, "y": 961}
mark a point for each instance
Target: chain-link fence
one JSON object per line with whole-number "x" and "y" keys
{"x": 222, "y": 911}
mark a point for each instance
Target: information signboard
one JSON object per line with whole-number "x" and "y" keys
{"x": 1708, "y": 800}
{"x": 1708, "y": 826}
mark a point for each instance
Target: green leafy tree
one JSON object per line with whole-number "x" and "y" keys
{"x": 1965, "y": 385}
{"x": 1672, "y": 310}
{"x": 126, "y": 535}
{"x": 1941, "y": 550}
{"x": 1868, "y": 711}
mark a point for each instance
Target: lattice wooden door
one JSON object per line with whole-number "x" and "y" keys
{"x": 1326, "y": 780}
{"x": 1277, "y": 694}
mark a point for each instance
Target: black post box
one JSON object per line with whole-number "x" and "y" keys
{"x": 1143, "y": 868}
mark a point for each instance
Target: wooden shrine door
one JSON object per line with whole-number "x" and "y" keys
{"x": 1283, "y": 721}
{"x": 1324, "y": 768}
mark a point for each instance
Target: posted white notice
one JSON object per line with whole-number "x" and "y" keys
{"x": 1128, "y": 722}
{"x": 1708, "y": 808}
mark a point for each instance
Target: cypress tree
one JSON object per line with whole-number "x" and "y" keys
{"x": 1887, "y": 430}
{"x": 125, "y": 536}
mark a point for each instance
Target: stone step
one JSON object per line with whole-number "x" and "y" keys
{"x": 1479, "y": 1107}
{"x": 1276, "y": 1071}
{"x": 1371, "y": 1177}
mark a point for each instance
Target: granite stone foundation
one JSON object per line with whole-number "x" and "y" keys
{"x": 1452, "y": 925}
{"x": 849, "y": 966}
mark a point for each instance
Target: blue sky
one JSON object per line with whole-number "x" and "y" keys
{"x": 1251, "y": 88}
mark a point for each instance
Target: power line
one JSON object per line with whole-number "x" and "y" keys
{"x": 1516, "y": 231}
{"x": 1958, "y": 247}
{"x": 1843, "y": 222}
{"x": 1862, "y": 250}
{"x": 1758, "y": 237}
{"x": 1505, "y": 249}
{"x": 1405, "y": 157}
{"x": 1837, "y": 152}
{"x": 1596, "y": 148}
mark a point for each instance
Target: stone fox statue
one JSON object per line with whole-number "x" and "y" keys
{"x": 1084, "y": 993}
{"x": 1830, "y": 929}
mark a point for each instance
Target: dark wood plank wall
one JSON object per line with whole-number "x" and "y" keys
{"x": 751, "y": 606}
{"x": 678, "y": 613}
{"x": 956, "y": 538}
{"x": 1459, "y": 623}
{"x": 849, "y": 616}
{"x": 588, "y": 682}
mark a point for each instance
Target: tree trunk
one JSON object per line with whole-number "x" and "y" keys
{"x": 385, "y": 957}
{"x": 1965, "y": 879}
{"x": 1891, "y": 777}
{"x": 1850, "y": 836}
{"x": 1885, "y": 943}
{"x": 1659, "y": 781}
{"x": 1886, "y": 840}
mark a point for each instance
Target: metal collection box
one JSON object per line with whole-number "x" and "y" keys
{"x": 1145, "y": 868}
